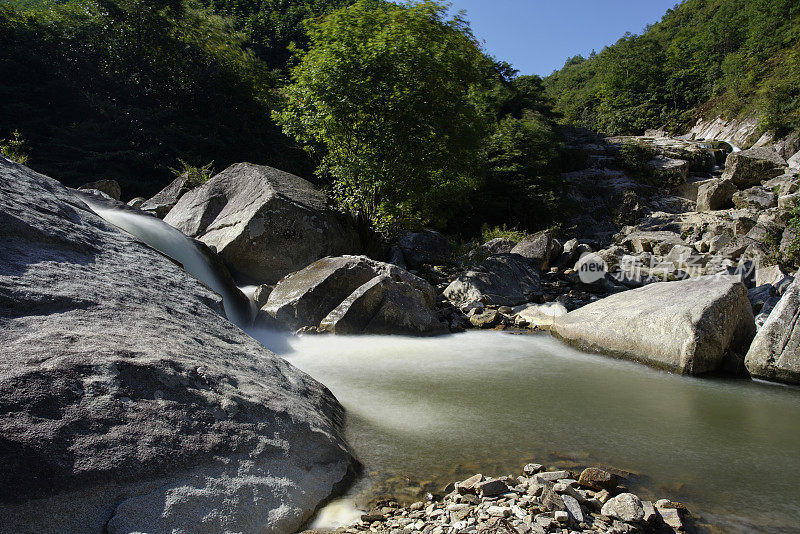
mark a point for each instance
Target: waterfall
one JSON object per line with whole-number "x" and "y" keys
{"x": 171, "y": 242}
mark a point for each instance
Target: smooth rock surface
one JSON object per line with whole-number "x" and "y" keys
{"x": 426, "y": 247}
{"x": 162, "y": 202}
{"x": 331, "y": 293}
{"x": 128, "y": 403}
{"x": 109, "y": 187}
{"x": 263, "y": 222}
{"x": 690, "y": 326}
{"x": 775, "y": 351}
{"x": 502, "y": 279}
{"x": 541, "y": 248}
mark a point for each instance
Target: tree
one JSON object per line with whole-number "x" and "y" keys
{"x": 384, "y": 94}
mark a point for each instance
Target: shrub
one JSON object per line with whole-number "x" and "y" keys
{"x": 194, "y": 175}
{"x": 15, "y": 148}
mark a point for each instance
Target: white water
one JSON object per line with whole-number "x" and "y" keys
{"x": 171, "y": 242}
{"x": 425, "y": 411}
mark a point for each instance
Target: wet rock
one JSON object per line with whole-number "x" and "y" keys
{"x": 538, "y": 315}
{"x": 502, "y": 279}
{"x": 709, "y": 324}
{"x": 109, "y": 187}
{"x": 136, "y": 202}
{"x": 264, "y": 223}
{"x": 625, "y": 507}
{"x": 485, "y": 319}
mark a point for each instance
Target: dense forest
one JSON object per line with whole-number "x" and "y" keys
{"x": 734, "y": 58}
{"x": 393, "y": 108}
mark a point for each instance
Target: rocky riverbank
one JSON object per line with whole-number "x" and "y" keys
{"x": 537, "y": 501}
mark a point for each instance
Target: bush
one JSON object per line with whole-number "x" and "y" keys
{"x": 194, "y": 175}
{"x": 634, "y": 158}
{"x": 487, "y": 233}
{"x": 15, "y": 148}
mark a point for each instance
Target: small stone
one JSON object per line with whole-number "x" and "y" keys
{"x": 603, "y": 496}
{"x": 468, "y": 485}
{"x": 561, "y": 517}
{"x": 419, "y": 505}
{"x": 671, "y": 518}
{"x": 491, "y": 488}
{"x": 597, "y": 479}
{"x": 649, "y": 511}
{"x": 532, "y": 469}
{"x": 552, "y": 476}
{"x": 625, "y": 507}
{"x": 498, "y": 511}
{"x": 573, "y": 508}
{"x": 372, "y": 518}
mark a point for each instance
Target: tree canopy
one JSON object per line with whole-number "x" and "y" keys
{"x": 386, "y": 94}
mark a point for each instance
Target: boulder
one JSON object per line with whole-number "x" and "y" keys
{"x": 538, "y": 315}
{"x": 425, "y": 247}
{"x": 658, "y": 242}
{"x": 669, "y": 172}
{"x": 263, "y": 222}
{"x": 757, "y": 198}
{"x": 109, "y": 187}
{"x": 784, "y": 184}
{"x": 598, "y": 479}
{"x": 136, "y": 202}
{"x": 541, "y": 248}
{"x": 715, "y": 195}
{"x": 129, "y": 403}
{"x": 384, "y": 306}
{"x": 788, "y": 202}
{"x": 750, "y": 167}
{"x": 498, "y": 245}
{"x": 354, "y": 294}
{"x": 775, "y": 351}
{"x": 163, "y": 201}
{"x": 690, "y": 326}
{"x": 625, "y": 507}
{"x": 502, "y": 279}
{"x": 794, "y": 161}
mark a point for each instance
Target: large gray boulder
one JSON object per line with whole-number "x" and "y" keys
{"x": 109, "y": 187}
{"x": 354, "y": 295}
{"x": 690, "y": 327}
{"x": 715, "y": 194}
{"x": 502, "y": 279}
{"x": 263, "y": 222}
{"x": 750, "y": 167}
{"x": 163, "y": 201}
{"x": 756, "y": 197}
{"x": 775, "y": 351}
{"x": 128, "y": 403}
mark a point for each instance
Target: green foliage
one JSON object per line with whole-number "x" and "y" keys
{"x": 387, "y": 92}
{"x": 791, "y": 256}
{"x": 634, "y": 157}
{"x": 502, "y": 231}
{"x": 15, "y": 148}
{"x": 728, "y": 57}
{"x": 194, "y": 175}
{"x": 119, "y": 87}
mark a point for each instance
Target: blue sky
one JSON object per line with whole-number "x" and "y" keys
{"x": 537, "y": 36}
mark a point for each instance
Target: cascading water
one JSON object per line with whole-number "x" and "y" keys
{"x": 171, "y": 242}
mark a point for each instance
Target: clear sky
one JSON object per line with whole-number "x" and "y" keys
{"x": 537, "y": 36}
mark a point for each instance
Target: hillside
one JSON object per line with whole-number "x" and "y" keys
{"x": 729, "y": 58}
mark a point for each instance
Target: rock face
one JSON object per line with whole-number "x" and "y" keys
{"x": 690, "y": 327}
{"x": 355, "y": 295}
{"x": 541, "y": 248}
{"x": 163, "y": 201}
{"x": 757, "y": 197}
{"x": 502, "y": 279}
{"x": 715, "y": 195}
{"x": 109, "y": 187}
{"x": 775, "y": 351}
{"x": 128, "y": 403}
{"x": 750, "y": 167}
{"x": 425, "y": 247}
{"x": 263, "y": 222}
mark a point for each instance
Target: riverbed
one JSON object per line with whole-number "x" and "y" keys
{"x": 425, "y": 411}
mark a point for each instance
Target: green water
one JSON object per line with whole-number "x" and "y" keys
{"x": 423, "y": 411}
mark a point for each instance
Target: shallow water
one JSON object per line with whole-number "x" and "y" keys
{"x": 425, "y": 411}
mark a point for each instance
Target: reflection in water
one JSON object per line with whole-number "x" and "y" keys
{"x": 425, "y": 411}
